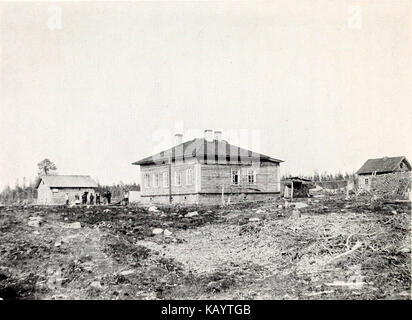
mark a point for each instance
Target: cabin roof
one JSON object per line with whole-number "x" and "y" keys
{"x": 203, "y": 149}
{"x": 382, "y": 165}
{"x": 67, "y": 181}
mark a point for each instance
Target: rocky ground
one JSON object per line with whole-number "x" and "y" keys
{"x": 325, "y": 248}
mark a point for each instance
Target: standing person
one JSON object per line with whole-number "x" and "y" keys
{"x": 77, "y": 199}
{"x": 84, "y": 198}
{"x": 91, "y": 198}
{"x": 109, "y": 196}
{"x": 126, "y": 198}
{"x": 97, "y": 198}
{"x": 67, "y": 199}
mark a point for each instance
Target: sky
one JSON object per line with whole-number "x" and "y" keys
{"x": 322, "y": 85}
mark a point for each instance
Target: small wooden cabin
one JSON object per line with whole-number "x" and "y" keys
{"x": 52, "y": 189}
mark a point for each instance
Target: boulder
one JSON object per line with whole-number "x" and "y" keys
{"x": 127, "y": 272}
{"x": 295, "y": 214}
{"x": 254, "y": 219}
{"x": 157, "y": 231}
{"x": 96, "y": 284}
{"x": 191, "y": 214}
{"x": 35, "y": 222}
{"x": 153, "y": 209}
{"x": 74, "y": 225}
{"x": 300, "y": 205}
{"x": 167, "y": 233}
{"x": 260, "y": 211}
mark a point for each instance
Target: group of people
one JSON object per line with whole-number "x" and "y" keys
{"x": 89, "y": 198}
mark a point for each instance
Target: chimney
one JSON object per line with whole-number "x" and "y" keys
{"x": 209, "y": 135}
{"x": 218, "y": 135}
{"x": 178, "y": 138}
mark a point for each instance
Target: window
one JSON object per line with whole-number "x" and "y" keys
{"x": 146, "y": 180}
{"x": 235, "y": 177}
{"x": 165, "y": 179}
{"x": 189, "y": 176}
{"x": 155, "y": 180}
{"x": 178, "y": 179}
{"x": 251, "y": 176}
{"x": 366, "y": 181}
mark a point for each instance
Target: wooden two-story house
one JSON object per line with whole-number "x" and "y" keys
{"x": 208, "y": 170}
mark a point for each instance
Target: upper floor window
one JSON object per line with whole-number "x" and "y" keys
{"x": 189, "y": 176}
{"x": 155, "y": 180}
{"x": 146, "y": 180}
{"x": 165, "y": 179}
{"x": 366, "y": 181}
{"x": 251, "y": 176}
{"x": 235, "y": 176}
{"x": 178, "y": 179}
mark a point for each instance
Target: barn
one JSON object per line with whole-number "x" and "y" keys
{"x": 208, "y": 170}
{"x": 379, "y": 172}
{"x": 52, "y": 189}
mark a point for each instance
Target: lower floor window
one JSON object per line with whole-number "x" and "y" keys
{"x": 251, "y": 176}
{"x": 235, "y": 177}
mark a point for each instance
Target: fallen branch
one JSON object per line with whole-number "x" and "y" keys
{"x": 357, "y": 245}
{"x": 345, "y": 284}
{"x": 318, "y": 293}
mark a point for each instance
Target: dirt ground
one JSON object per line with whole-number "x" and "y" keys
{"x": 327, "y": 248}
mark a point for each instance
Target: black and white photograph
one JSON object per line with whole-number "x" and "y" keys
{"x": 204, "y": 151}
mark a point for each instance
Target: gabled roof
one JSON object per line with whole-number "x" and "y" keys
{"x": 203, "y": 149}
{"x": 382, "y": 165}
{"x": 66, "y": 181}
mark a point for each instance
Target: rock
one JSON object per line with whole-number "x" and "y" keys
{"x": 74, "y": 225}
{"x": 126, "y": 272}
{"x": 57, "y": 243}
{"x": 167, "y": 233}
{"x": 96, "y": 284}
{"x": 393, "y": 211}
{"x": 191, "y": 214}
{"x": 300, "y": 205}
{"x": 153, "y": 209}
{"x": 66, "y": 219}
{"x": 106, "y": 211}
{"x": 280, "y": 206}
{"x": 260, "y": 211}
{"x": 157, "y": 231}
{"x": 405, "y": 250}
{"x": 35, "y": 222}
{"x": 295, "y": 214}
{"x": 254, "y": 219}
